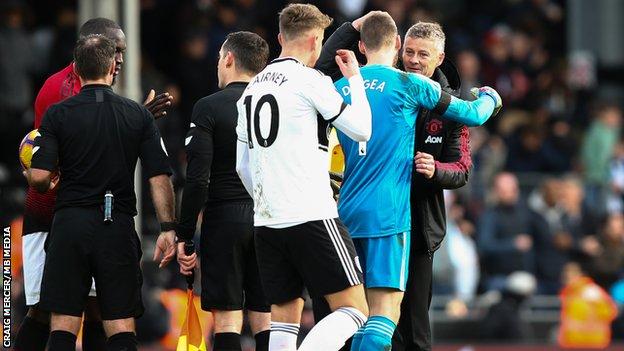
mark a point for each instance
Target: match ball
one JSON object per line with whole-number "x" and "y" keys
{"x": 26, "y": 148}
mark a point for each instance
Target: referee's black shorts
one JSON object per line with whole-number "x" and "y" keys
{"x": 81, "y": 246}
{"x": 229, "y": 269}
{"x": 317, "y": 255}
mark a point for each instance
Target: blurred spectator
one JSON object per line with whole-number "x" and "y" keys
{"x": 545, "y": 202}
{"x": 579, "y": 219}
{"x": 16, "y": 67}
{"x": 195, "y": 73}
{"x": 468, "y": 65}
{"x": 488, "y": 158}
{"x": 65, "y": 38}
{"x": 616, "y": 175}
{"x": 526, "y": 152}
{"x": 570, "y": 229}
{"x": 606, "y": 266}
{"x": 173, "y": 127}
{"x": 505, "y": 235}
{"x": 456, "y": 265}
{"x": 596, "y": 153}
{"x": 502, "y": 320}
{"x": 562, "y": 145}
{"x": 16, "y": 63}
{"x": 494, "y": 69}
{"x": 520, "y": 47}
{"x": 553, "y": 244}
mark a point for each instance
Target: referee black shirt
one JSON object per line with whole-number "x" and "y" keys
{"x": 97, "y": 137}
{"x": 211, "y": 177}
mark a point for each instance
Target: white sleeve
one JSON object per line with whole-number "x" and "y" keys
{"x": 242, "y": 166}
{"x": 356, "y": 119}
{"x": 324, "y": 97}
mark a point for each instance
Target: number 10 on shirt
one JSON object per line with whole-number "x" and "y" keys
{"x": 274, "y": 122}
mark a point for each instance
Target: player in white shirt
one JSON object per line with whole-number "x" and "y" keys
{"x": 282, "y": 161}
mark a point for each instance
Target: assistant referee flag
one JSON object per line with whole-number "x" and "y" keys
{"x": 191, "y": 336}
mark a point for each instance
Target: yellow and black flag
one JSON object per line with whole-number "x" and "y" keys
{"x": 191, "y": 336}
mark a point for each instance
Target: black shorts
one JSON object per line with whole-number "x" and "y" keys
{"x": 317, "y": 255}
{"x": 82, "y": 246}
{"x": 229, "y": 269}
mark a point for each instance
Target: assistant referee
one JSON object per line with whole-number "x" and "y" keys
{"x": 230, "y": 278}
{"x": 94, "y": 140}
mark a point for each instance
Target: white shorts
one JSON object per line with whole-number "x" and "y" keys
{"x": 33, "y": 256}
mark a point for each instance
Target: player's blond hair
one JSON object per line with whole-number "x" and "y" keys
{"x": 430, "y": 31}
{"x": 296, "y": 19}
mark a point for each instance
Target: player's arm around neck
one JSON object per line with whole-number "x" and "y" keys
{"x": 355, "y": 121}
{"x": 428, "y": 94}
{"x": 473, "y": 113}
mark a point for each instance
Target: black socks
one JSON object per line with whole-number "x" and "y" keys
{"x": 262, "y": 340}
{"x": 93, "y": 336}
{"x": 122, "y": 342}
{"x": 61, "y": 340}
{"x": 32, "y": 335}
{"x": 227, "y": 342}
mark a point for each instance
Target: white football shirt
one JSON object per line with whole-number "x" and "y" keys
{"x": 278, "y": 118}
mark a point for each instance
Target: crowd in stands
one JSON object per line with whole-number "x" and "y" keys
{"x": 547, "y": 187}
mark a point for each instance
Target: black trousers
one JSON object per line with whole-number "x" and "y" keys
{"x": 413, "y": 332}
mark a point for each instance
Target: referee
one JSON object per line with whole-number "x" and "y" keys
{"x": 230, "y": 278}
{"x": 94, "y": 140}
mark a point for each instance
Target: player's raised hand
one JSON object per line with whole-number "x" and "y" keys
{"x": 158, "y": 104}
{"x": 491, "y": 92}
{"x": 348, "y": 64}
{"x": 165, "y": 247}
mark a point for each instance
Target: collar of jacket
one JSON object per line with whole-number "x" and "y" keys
{"x": 447, "y": 75}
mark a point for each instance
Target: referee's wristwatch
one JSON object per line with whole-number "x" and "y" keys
{"x": 168, "y": 226}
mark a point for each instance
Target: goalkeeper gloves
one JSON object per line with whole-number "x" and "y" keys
{"x": 483, "y": 91}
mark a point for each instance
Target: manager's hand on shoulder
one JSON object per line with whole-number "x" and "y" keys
{"x": 165, "y": 247}
{"x": 158, "y": 104}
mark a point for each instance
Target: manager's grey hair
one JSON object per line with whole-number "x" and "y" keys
{"x": 428, "y": 30}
